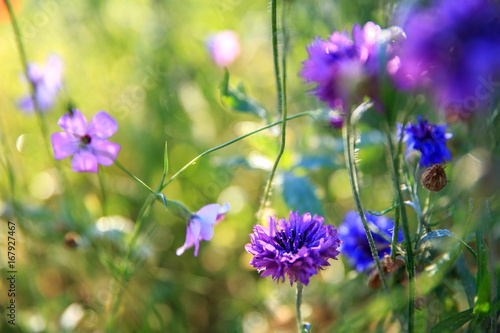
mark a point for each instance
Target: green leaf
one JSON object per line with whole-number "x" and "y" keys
{"x": 453, "y": 323}
{"x": 299, "y": 194}
{"x": 236, "y": 99}
{"x": 373, "y": 212}
{"x": 445, "y": 233}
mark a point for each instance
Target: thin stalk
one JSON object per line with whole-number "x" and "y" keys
{"x": 282, "y": 105}
{"x": 119, "y": 165}
{"x": 353, "y": 178}
{"x": 298, "y": 303}
{"x": 194, "y": 160}
{"x": 410, "y": 262}
{"x": 24, "y": 62}
{"x": 104, "y": 196}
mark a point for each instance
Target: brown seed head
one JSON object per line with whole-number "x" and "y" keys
{"x": 434, "y": 178}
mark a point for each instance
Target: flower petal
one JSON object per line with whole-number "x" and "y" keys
{"x": 192, "y": 238}
{"x": 74, "y": 124}
{"x": 63, "y": 144}
{"x": 102, "y": 125}
{"x": 84, "y": 161}
{"x": 207, "y": 217}
{"x": 105, "y": 151}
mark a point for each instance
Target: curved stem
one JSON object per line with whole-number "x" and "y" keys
{"x": 194, "y": 160}
{"x": 281, "y": 89}
{"x": 347, "y": 133}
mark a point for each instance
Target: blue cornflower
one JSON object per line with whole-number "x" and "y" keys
{"x": 298, "y": 247}
{"x": 429, "y": 139}
{"x": 452, "y": 51}
{"x": 355, "y": 244}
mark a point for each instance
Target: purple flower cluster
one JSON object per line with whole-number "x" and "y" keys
{"x": 345, "y": 70}
{"x": 298, "y": 247}
{"x": 86, "y": 142}
{"x": 452, "y": 51}
{"x": 47, "y": 82}
{"x": 355, "y": 244}
{"x": 429, "y": 139}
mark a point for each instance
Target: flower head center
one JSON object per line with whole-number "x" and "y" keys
{"x": 290, "y": 241}
{"x": 86, "y": 139}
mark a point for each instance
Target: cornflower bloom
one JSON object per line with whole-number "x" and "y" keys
{"x": 298, "y": 247}
{"x": 355, "y": 244}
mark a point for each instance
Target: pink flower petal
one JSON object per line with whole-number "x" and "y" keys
{"x": 102, "y": 125}
{"x": 105, "y": 151}
{"x": 74, "y": 124}
{"x": 63, "y": 145}
{"x": 84, "y": 161}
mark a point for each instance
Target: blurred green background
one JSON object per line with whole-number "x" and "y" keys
{"x": 147, "y": 65}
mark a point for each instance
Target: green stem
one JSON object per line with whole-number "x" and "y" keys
{"x": 298, "y": 303}
{"x": 194, "y": 160}
{"x": 24, "y": 62}
{"x": 410, "y": 263}
{"x": 347, "y": 134}
{"x": 119, "y": 165}
{"x": 102, "y": 184}
{"x": 282, "y": 104}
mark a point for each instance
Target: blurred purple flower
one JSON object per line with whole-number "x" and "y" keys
{"x": 429, "y": 139}
{"x": 47, "y": 82}
{"x": 86, "y": 142}
{"x": 452, "y": 51}
{"x": 355, "y": 244}
{"x": 346, "y": 70}
{"x": 224, "y": 47}
{"x": 201, "y": 226}
{"x": 336, "y": 120}
{"x": 297, "y": 247}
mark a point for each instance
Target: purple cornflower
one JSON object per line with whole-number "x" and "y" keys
{"x": 201, "y": 226}
{"x": 452, "y": 51}
{"x": 346, "y": 70}
{"x": 86, "y": 142}
{"x": 429, "y": 139}
{"x": 297, "y": 247}
{"x": 47, "y": 82}
{"x": 224, "y": 47}
{"x": 355, "y": 244}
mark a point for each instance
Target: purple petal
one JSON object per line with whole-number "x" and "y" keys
{"x": 84, "y": 161}
{"x": 26, "y": 104}
{"x": 74, "y": 124}
{"x": 105, "y": 151}
{"x": 192, "y": 238}
{"x": 207, "y": 217}
{"x": 102, "y": 125}
{"x": 53, "y": 73}
{"x": 63, "y": 144}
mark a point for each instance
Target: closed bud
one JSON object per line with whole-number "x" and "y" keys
{"x": 434, "y": 178}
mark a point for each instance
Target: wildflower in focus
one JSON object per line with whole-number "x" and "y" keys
{"x": 346, "y": 70}
{"x": 47, "y": 82}
{"x": 224, "y": 47}
{"x": 201, "y": 226}
{"x": 355, "y": 244}
{"x": 86, "y": 142}
{"x": 298, "y": 247}
{"x": 429, "y": 139}
{"x": 451, "y": 50}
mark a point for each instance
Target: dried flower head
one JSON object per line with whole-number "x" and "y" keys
{"x": 434, "y": 178}
{"x": 298, "y": 247}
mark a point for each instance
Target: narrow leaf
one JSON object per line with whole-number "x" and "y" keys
{"x": 373, "y": 212}
{"x": 453, "y": 323}
{"x": 446, "y": 233}
{"x": 165, "y": 159}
